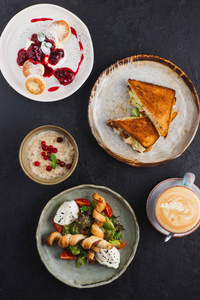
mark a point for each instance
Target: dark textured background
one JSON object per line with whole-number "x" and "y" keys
{"x": 169, "y": 29}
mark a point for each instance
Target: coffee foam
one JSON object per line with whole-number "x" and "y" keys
{"x": 178, "y": 209}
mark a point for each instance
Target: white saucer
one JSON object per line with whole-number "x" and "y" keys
{"x": 20, "y": 28}
{"x": 150, "y": 207}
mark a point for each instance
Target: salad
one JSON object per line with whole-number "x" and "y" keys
{"x": 88, "y": 231}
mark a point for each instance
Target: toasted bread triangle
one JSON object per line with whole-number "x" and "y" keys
{"x": 157, "y": 102}
{"x": 141, "y": 129}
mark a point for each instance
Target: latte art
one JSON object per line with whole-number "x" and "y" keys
{"x": 178, "y": 209}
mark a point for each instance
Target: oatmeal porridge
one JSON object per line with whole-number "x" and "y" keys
{"x": 50, "y": 154}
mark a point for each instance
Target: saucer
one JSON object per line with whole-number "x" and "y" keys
{"x": 150, "y": 207}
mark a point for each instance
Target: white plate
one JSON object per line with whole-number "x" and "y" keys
{"x": 151, "y": 201}
{"x": 109, "y": 97}
{"x": 14, "y": 38}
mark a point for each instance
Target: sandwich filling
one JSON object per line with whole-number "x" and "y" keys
{"x": 129, "y": 139}
{"x": 138, "y": 112}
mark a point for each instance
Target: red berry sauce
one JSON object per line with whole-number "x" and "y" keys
{"x": 80, "y": 45}
{"x": 48, "y": 71}
{"x": 65, "y": 76}
{"x": 73, "y": 31}
{"x": 56, "y": 56}
{"x": 35, "y": 53}
{"x": 41, "y": 19}
{"x": 22, "y": 56}
{"x": 53, "y": 88}
{"x": 34, "y": 38}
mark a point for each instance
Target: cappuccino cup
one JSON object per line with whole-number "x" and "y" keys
{"x": 177, "y": 209}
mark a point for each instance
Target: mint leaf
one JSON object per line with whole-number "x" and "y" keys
{"x": 53, "y": 165}
{"x": 53, "y": 157}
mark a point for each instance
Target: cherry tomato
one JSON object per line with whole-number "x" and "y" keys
{"x": 58, "y": 227}
{"x": 82, "y": 202}
{"x": 68, "y": 256}
{"x": 122, "y": 245}
{"x": 108, "y": 210}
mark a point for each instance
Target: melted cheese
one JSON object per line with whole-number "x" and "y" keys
{"x": 131, "y": 141}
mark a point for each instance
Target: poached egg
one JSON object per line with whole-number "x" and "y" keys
{"x": 67, "y": 213}
{"x": 108, "y": 258}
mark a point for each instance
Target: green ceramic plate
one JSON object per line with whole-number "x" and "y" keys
{"x": 89, "y": 275}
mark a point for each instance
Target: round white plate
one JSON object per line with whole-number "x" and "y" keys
{"x": 151, "y": 201}
{"x": 89, "y": 275}
{"x": 20, "y": 28}
{"x": 109, "y": 97}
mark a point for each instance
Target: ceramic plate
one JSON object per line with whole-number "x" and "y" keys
{"x": 20, "y": 28}
{"x": 151, "y": 201}
{"x": 88, "y": 275}
{"x": 109, "y": 97}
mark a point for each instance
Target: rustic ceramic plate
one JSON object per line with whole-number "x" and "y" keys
{"x": 20, "y": 28}
{"x": 89, "y": 275}
{"x": 109, "y": 97}
{"x": 24, "y": 162}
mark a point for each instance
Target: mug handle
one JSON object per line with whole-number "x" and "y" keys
{"x": 188, "y": 179}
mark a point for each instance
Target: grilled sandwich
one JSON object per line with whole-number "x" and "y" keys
{"x": 154, "y": 101}
{"x": 139, "y": 132}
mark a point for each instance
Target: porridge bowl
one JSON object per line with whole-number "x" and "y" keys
{"x": 48, "y": 155}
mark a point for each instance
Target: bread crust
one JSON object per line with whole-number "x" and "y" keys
{"x": 140, "y": 128}
{"x": 53, "y": 237}
{"x": 157, "y": 101}
{"x": 92, "y": 242}
{"x": 99, "y": 219}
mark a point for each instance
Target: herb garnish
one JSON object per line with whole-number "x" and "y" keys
{"x": 54, "y": 160}
{"x": 85, "y": 208}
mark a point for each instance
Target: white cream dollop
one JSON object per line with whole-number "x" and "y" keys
{"x": 41, "y": 36}
{"x": 67, "y": 213}
{"x": 109, "y": 258}
{"x": 46, "y": 47}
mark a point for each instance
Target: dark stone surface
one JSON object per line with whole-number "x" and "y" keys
{"x": 169, "y": 29}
